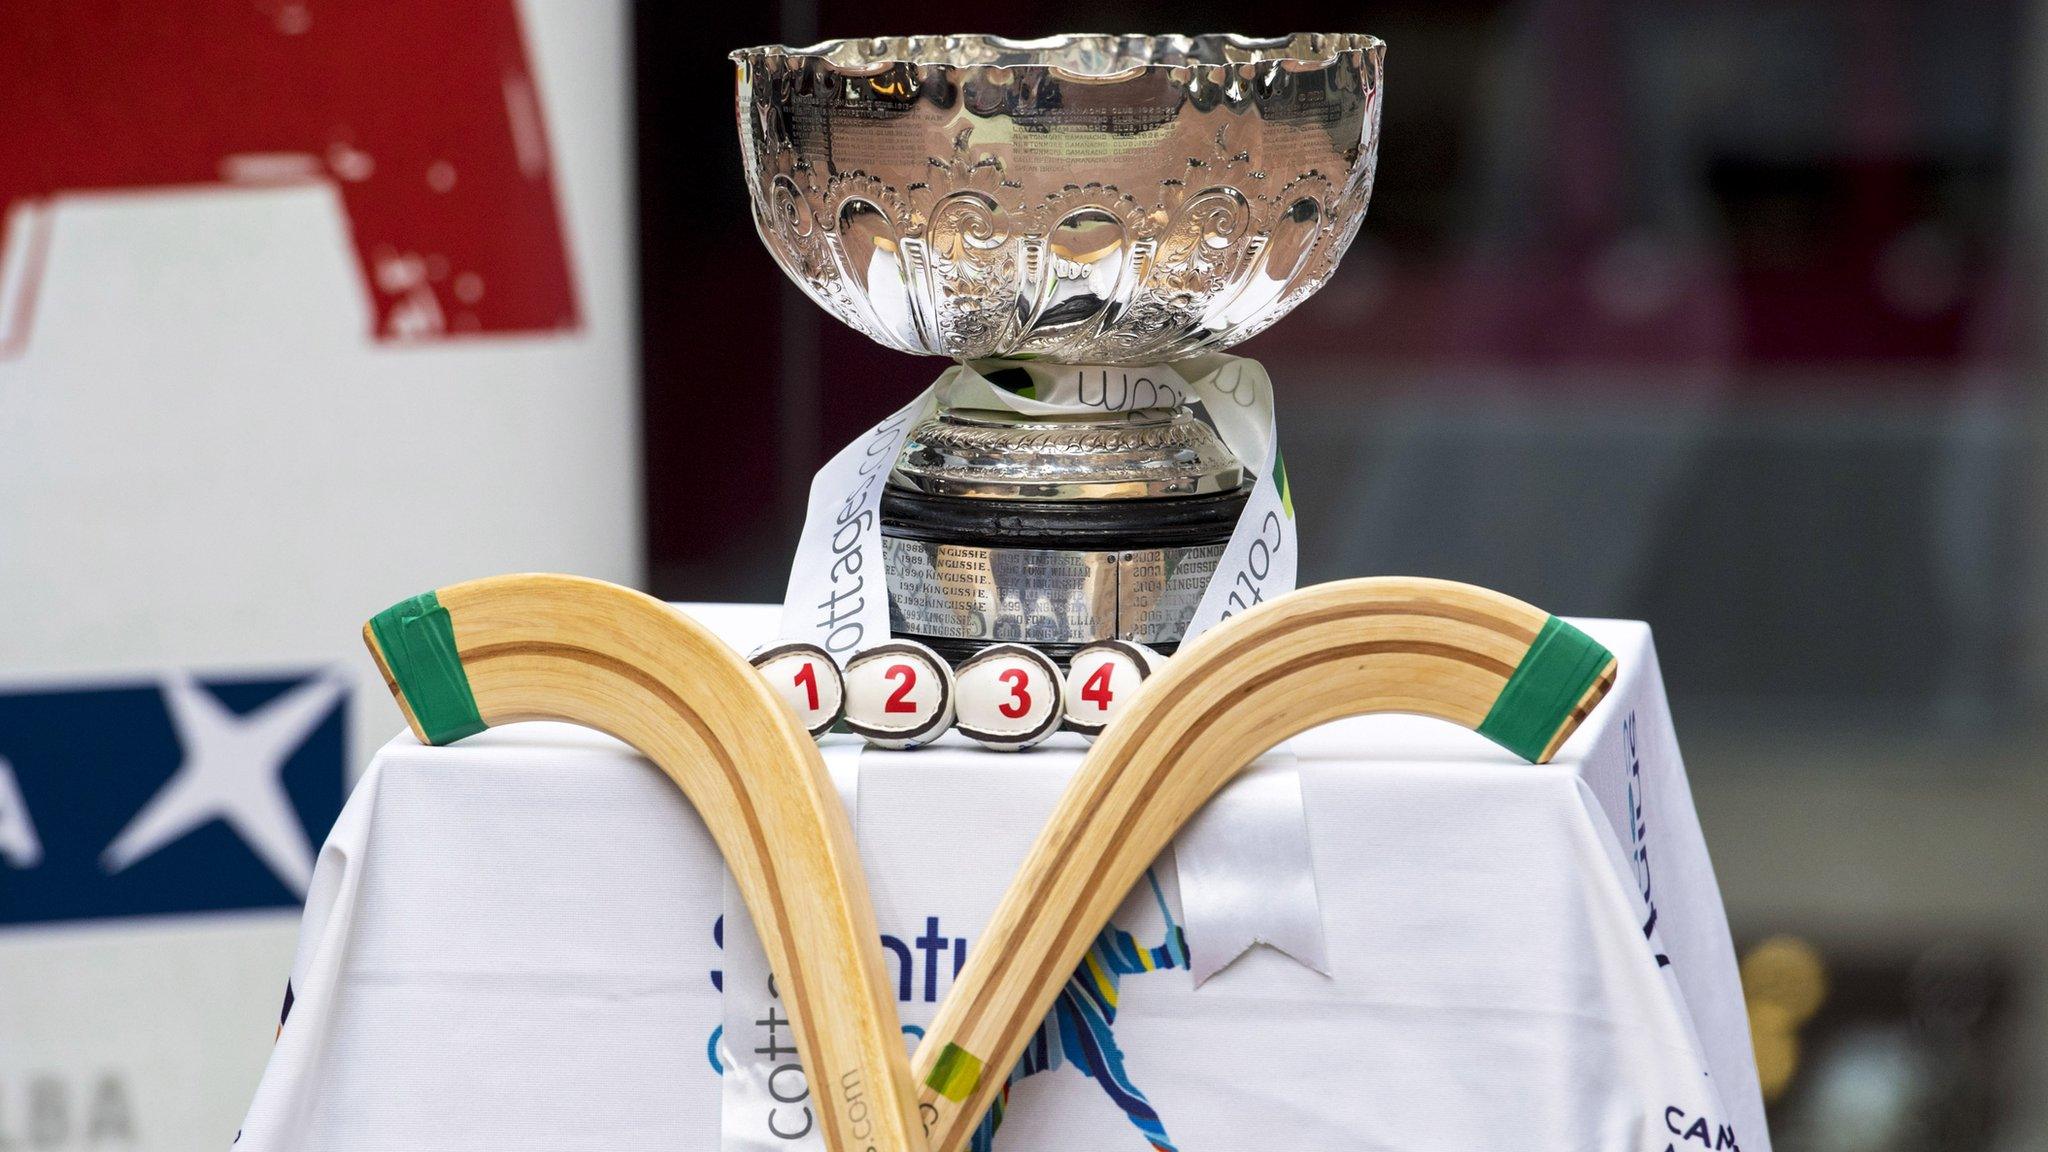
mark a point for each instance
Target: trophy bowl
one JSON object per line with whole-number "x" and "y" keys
{"x": 1074, "y": 219}
{"x": 1106, "y": 200}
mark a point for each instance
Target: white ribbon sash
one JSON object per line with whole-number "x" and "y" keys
{"x": 837, "y": 597}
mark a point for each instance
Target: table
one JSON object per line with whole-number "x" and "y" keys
{"x": 521, "y": 942}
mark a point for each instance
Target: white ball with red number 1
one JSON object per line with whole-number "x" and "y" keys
{"x": 1009, "y": 697}
{"x": 899, "y": 694}
{"x": 1102, "y": 678}
{"x": 805, "y": 676}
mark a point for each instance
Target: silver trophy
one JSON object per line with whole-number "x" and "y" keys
{"x": 1080, "y": 214}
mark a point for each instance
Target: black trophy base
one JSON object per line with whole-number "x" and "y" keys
{"x": 1045, "y": 544}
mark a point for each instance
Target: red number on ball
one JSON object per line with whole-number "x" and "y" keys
{"x": 906, "y": 678}
{"x": 1096, "y": 690}
{"x": 1019, "y": 702}
{"x": 808, "y": 677}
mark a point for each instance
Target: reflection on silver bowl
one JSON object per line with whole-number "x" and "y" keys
{"x": 1084, "y": 199}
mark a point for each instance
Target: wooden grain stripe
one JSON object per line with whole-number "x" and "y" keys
{"x": 1602, "y": 684}
{"x": 1215, "y": 665}
{"x": 1194, "y": 730}
{"x": 799, "y": 1000}
{"x": 1337, "y": 614}
{"x": 1313, "y": 620}
{"x": 1593, "y": 696}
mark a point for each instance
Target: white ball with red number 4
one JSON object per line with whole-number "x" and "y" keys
{"x": 1101, "y": 680}
{"x": 899, "y": 694}
{"x": 1009, "y": 697}
{"x": 806, "y": 678}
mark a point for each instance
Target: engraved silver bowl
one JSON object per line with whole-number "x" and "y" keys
{"x": 1084, "y": 199}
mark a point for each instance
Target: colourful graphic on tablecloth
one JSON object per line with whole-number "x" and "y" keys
{"x": 1080, "y": 1029}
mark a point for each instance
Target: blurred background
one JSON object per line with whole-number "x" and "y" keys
{"x": 1724, "y": 315}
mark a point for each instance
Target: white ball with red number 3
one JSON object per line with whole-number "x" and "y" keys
{"x": 1009, "y": 697}
{"x": 1101, "y": 679}
{"x": 899, "y": 694}
{"x": 807, "y": 679}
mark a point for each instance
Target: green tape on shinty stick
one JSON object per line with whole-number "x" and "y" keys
{"x": 1549, "y": 682}
{"x": 955, "y": 1074}
{"x": 418, "y": 642}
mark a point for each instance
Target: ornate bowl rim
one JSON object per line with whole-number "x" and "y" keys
{"x": 1146, "y": 53}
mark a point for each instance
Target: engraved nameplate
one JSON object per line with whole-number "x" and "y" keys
{"x": 1044, "y": 596}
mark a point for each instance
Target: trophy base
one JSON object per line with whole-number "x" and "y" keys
{"x": 966, "y": 572}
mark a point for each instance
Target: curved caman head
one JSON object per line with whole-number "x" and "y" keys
{"x": 1491, "y": 663}
{"x": 470, "y": 656}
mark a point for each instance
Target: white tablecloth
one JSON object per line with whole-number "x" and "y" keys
{"x": 515, "y": 943}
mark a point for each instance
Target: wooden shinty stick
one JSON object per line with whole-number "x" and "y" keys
{"x": 533, "y": 647}
{"x": 1477, "y": 658}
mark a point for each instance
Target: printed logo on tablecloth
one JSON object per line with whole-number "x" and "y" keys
{"x": 1078, "y": 1033}
{"x": 1694, "y": 1131}
{"x": 1639, "y": 837}
{"x": 440, "y": 159}
{"x": 166, "y": 795}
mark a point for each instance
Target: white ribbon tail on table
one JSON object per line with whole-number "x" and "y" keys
{"x": 1245, "y": 873}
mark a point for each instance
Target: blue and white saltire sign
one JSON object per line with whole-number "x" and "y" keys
{"x": 166, "y": 794}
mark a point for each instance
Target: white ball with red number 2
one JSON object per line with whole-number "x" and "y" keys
{"x": 899, "y": 694}
{"x": 1009, "y": 697}
{"x": 1101, "y": 680}
{"x": 807, "y": 680}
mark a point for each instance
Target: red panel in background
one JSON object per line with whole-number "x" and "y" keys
{"x": 426, "y": 117}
